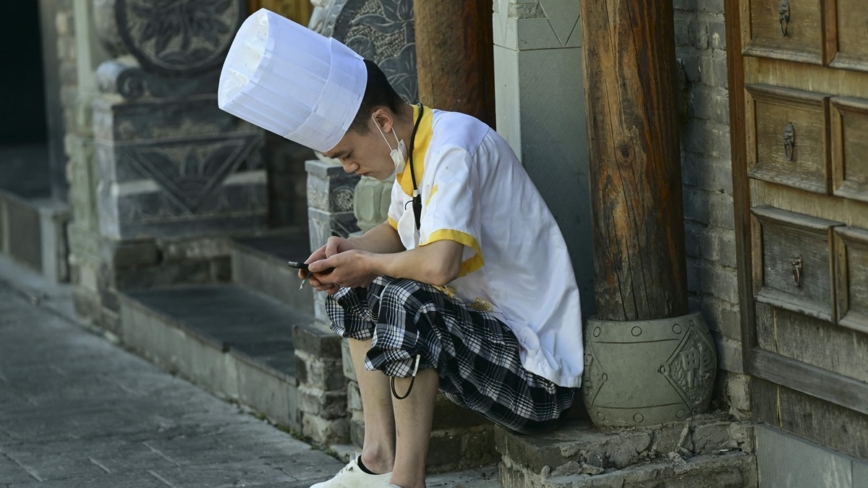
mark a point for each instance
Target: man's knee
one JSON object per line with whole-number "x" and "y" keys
{"x": 396, "y": 293}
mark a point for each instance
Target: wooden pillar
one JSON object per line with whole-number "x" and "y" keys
{"x": 635, "y": 170}
{"x": 455, "y": 56}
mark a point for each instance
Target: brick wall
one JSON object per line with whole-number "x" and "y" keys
{"x": 700, "y": 38}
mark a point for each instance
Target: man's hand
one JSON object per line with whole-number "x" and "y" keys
{"x": 334, "y": 246}
{"x": 357, "y": 262}
{"x": 351, "y": 269}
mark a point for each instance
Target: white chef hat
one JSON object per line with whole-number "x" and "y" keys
{"x": 292, "y": 81}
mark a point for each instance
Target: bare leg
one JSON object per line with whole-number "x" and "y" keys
{"x": 378, "y": 453}
{"x": 413, "y": 417}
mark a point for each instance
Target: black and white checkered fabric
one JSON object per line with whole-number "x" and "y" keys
{"x": 475, "y": 354}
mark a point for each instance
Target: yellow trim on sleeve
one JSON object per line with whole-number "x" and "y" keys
{"x": 420, "y": 149}
{"x": 393, "y": 223}
{"x": 464, "y": 238}
{"x": 430, "y": 196}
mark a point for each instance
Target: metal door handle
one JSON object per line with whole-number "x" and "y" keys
{"x": 797, "y": 270}
{"x": 784, "y": 15}
{"x": 790, "y": 141}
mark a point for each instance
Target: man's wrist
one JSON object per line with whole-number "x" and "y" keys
{"x": 374, "y": 263}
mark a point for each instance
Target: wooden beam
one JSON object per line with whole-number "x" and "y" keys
{"x": 638, "y": 217}
{"x": 455, "y": 56}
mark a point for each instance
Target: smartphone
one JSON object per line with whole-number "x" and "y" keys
{"x": 297, "y": 265}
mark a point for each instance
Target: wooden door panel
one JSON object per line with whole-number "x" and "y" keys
{"x": 813, "y": 341}
{"x": 786, "y": 29}
{"x": 852, "y": 35}
{"x": 788, "y": 142}
{"x": 851, "y": 280}
{"x": 793, "y": 262}
{"x": 849, "y": 127}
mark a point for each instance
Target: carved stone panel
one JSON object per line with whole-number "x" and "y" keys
{"x": 330, "y": 196}
{"x": 179, "y": 168}
{"x": 379, "y": 30}
{"x": 179, "y": 37}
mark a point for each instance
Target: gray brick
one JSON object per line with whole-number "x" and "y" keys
{"x": 713, "y": 174}
{"x": 682, "y": 31}
{"x": 696, "y": 205}
{"x": 712, "y": 6}
{"x": 718, "y": 282}
{"x": 730, "y": 322}
{"x": 708, "y": 103}
{"x": 729, "y": 355}
{"x": 738, "y": 391}
{"x": 710, "y": 309}
{"x": 689, "y": 169}
{"x": 697, "y": 33}
{"x": 713, "y": 70}
{"x": 693, "y": 301}
{"x": 706, "y": 137}
{"x": 728, "y": 251}
{"x": 722, "y": 212}
{"x": 694, "y": 279}
{"x": 693, "y": 137}
{"x": 700, "y": 6}
{"x": 723, "y": 317}
{"x": 717, "y": 34}
{"x": 708, "y": 242}
{"x": 690, "y": 58}
{"x": 692, "y": 239}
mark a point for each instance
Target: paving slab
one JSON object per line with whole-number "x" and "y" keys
{"x": 76, "y": 410}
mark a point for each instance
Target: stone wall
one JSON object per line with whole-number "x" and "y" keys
{"x": 700, "y": 38}
{"x": 66, "y": 59}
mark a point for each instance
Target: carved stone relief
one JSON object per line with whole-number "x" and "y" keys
{"x": 379, "y": 30}
{"x": 177, "y": 168}
{"x": 179, "y": 37}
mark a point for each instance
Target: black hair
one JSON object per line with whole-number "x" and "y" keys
{"x": 378, "y": 93}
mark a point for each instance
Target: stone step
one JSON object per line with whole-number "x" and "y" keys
{"x": 33, "y": 232}
{"x": 259, "y": 263}
{"x": 580, "y": 455}
{"x": 729, "y": 470}
{"x": 231, "y": 340}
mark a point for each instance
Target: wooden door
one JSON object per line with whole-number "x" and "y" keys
{"x": 799, "y": 105}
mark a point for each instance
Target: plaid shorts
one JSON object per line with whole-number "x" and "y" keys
{"x": 475, "y": 354}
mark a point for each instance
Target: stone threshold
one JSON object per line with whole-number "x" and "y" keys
{"x": 259, "y": 263}
{"x": 230, "y": 340}
{"x": 580, "y": 455}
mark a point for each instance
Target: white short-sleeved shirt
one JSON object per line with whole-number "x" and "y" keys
{"x": 515, "y": 263}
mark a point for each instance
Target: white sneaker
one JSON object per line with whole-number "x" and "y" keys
{"x": 352, "y": 476}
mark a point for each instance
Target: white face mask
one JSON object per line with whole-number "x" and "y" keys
{"x": 398, "y": 154}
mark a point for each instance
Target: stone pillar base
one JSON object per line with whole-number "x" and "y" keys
{"x": 648, "y": 372}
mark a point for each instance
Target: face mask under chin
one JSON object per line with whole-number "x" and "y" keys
{"x": 398, "y": 154}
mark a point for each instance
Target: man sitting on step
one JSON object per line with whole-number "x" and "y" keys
{"x": 468, "y": 288}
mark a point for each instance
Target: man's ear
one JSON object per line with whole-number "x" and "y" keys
{"x": 383, "y": 118}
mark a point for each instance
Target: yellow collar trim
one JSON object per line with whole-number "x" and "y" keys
{"x": 420, "y": 149}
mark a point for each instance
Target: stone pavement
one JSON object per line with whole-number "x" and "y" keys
{"x": 76, "y": 410}
{"x": 79, "y": 411}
